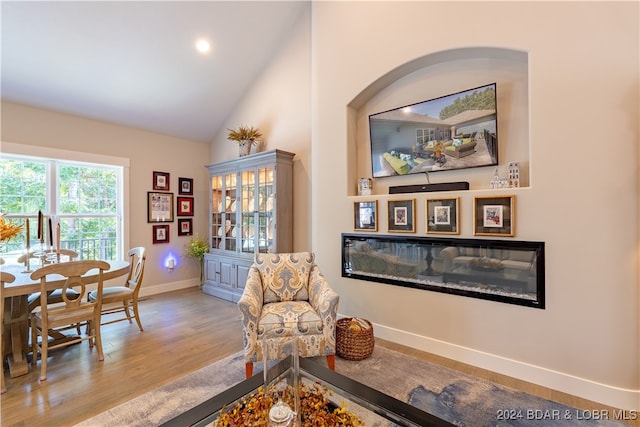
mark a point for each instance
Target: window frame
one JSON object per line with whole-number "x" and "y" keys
{"x": 46, "y": 154}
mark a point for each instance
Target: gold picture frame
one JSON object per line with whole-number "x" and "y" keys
{"x": 494, "y": 216}
{"x": 443, "y": 216}
{"x": 365, "y": 215}
{"x": 401, "y": 216}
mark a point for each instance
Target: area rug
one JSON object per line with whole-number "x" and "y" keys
{"x": 459, "y": 398}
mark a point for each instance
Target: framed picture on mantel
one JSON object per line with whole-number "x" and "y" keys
{"x": 365, "y": 215}
{"x": 442, "y": 216}
{"x": 401, "y": 216}
{"x": 494, "y": 216}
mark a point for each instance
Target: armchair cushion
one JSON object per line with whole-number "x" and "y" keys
{"x": 285, "y": 277}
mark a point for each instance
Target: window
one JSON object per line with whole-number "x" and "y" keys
{"x": 84, "y": 198}
{"x": 423, "y": 136}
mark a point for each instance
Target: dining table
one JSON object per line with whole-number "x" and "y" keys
{"x": 15, "y": 323}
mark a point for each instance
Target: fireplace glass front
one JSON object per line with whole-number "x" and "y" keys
{"x": 507, "y": 271}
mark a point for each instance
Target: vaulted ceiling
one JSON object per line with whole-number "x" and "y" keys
{"x": 134, "y": 63}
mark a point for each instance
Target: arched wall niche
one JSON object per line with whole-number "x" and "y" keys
{"x": 435, "y": 75}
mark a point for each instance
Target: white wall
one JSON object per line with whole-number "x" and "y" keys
{"x": 147, "y": 152}
{"x": 582, "y": 199}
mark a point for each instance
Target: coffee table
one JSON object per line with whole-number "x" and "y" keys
{"x": 371, "y": 405}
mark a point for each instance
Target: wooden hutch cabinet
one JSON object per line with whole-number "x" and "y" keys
{"x": 251, "y": 211}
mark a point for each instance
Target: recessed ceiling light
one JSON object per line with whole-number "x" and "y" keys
{"x": 203, "y": 46}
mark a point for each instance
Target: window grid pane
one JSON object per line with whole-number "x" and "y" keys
{"x": 22, "y": 186}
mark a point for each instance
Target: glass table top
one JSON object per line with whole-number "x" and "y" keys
{"x": 371, "y": 406}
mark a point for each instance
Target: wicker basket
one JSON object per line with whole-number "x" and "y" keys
{"x": 354, "y": 345}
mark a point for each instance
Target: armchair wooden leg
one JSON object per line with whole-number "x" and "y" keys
{"x": 248, "y": 369}
{"x": 331, "y": 361}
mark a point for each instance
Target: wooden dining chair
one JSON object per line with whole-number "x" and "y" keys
{"x": 33, "y": 301}
{"x": 122, "y": 299}
{"x": 4, "y": 278}
{"x": 68, "y": 315}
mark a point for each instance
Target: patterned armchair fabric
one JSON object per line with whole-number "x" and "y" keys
{"x": 285, "y": 296}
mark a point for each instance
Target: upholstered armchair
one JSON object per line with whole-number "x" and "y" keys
{"x": 286, "y": 296}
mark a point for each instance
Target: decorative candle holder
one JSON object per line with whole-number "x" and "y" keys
{"x": 39, "y": 252}
{"x": 283, "y": 387}
{"x": 27, "y": 263}
{"x": 51, "y": 257}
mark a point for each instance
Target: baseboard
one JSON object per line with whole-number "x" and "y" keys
{"x": 147, "y": 291}
{"x": 584, "y": 388}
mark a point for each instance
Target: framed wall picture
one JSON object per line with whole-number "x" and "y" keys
{"x": 494, "y": 216}
{"x": 185, "y": 186}
{"x": 159, "y": 207}
{"x": 185, "y": 206}
{"x": 185, "y": 227}
{"x": 161, "y": 181}
{"x": 161, "y": 233}
{"x": 365, "y": 215}
{"x": 443, "y": 216}
{"x": 401, "y": 216}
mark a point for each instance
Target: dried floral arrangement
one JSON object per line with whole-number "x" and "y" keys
{"x": 8, "y": 230}
{"x": 245, "y": 133}
{"x": 315, "y": 409}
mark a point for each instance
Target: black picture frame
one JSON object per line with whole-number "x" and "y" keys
{"x": 159, "y": 207}
{"x": 185, "y": 227}
{"x": 161, "y": 181}
{"x": 185, "y": 186}
{"x": 161, "y": 234}
{"x": 185, "y": 206}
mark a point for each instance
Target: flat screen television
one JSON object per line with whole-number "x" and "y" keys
{"x": 455, "y": 131}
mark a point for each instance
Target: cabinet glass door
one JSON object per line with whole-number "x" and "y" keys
{"x": 249, "y": 209}
{"x": 258, "y": 207}
{"x": 231, "y": 204}
{"x": 266, "y": 208}
{"x": 217, "y": 211}
{"x": 223, "y": 216}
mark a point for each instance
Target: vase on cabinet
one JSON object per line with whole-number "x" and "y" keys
{"x": 245, "y": 147}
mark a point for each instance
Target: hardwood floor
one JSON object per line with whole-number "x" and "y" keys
{"x": 184, "y": 331}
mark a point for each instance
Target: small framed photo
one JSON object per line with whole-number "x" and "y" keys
{"x": 401, "y": 216}
{"x": 185, "y": 206}
{"x": 443, "y": 216}
{"x": 494, "y": 216}
{"x": 185, "y": 186}
{"x": 159, "y": 207}
{"x": 365, "y": 216}
{"x": 185, "y": 225}
{"x": 161, "y": 234}
{"x": 161, "y": 181}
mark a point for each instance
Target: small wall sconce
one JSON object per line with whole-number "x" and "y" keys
{"x": 171, "y": 264}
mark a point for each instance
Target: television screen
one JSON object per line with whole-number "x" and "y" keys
{"x": 455, "y": 131}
